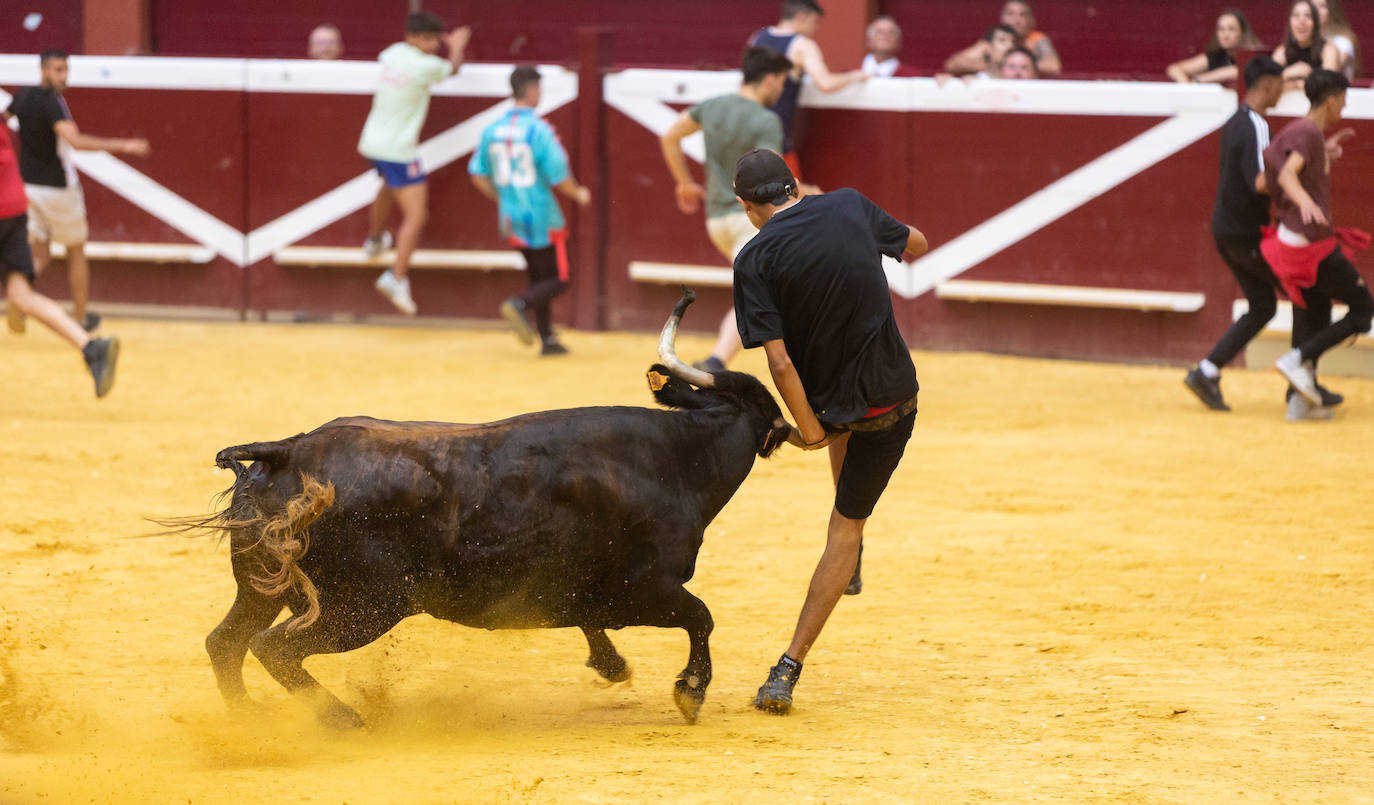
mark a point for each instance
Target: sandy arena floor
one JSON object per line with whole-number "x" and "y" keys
{"x": 1081, "y": 587}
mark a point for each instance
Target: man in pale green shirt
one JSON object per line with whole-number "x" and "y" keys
{"x": 391, "y": 140}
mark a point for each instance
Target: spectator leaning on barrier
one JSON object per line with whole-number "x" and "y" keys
{"x": 391, "y": 141}
{"x": 793, "y": 38}
{"x": 1304, "y": 48}
{"x": 517, "y": 163}
{"x": 883, "y": 38}
{"x": 1017, "y": 15}
{"x": 1217, "y": 65}
{"x": 1338, "y": 32}
{"x": 48, "y": 140}
{"x": 1019, "y": 64}
{"x": 325, "y": 42}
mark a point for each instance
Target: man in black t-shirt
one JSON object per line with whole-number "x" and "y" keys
{"x": 810, "y": 289}
{"x": 57, "y": 209}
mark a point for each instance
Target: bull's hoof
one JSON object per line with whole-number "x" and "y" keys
{"x": 613, "y": 669}
{"x": 688, "y": 693}
{"x": 341, "y": 717}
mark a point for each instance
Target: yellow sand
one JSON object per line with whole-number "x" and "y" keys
{"x": 1081, "y": 586}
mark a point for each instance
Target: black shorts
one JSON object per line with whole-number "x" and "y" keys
{"x": 869, "y": 461}
{"x": 15, "y": 256}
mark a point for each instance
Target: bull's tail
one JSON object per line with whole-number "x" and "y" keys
{"x": 283, "y": 539}
{"x": 274, "y": 541}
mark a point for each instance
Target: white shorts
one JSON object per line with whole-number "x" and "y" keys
{"x": 57, "y": 214}
{"x": 730, "y": 232}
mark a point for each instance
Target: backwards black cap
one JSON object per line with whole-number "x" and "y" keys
{"x": 762, "y": 177}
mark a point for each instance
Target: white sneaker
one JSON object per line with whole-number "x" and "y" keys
{"x": 397, "y": 291}
{"x": 1301, "y": 409}
{"x": 1300, "y": 375}
{"x": 375, "y": 246}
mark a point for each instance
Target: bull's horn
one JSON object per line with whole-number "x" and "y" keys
{"x": 667, "y": 352}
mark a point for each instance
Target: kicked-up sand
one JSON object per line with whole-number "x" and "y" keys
{"x": 1081, "y": 586}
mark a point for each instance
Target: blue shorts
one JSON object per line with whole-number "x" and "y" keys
{"x": 399, "y": 174}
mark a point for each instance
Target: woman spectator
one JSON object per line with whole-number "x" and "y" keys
{"x": 1304, "y": 48}
{"x": 1337, "y": 31}
{"x": 1218, "y": 64}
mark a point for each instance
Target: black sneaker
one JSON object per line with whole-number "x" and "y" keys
{"x": 552, "y": 346}
{"x": 775, "y": 695}
{"x": 711, "y": 364}
{"x": 856, "y": 582}
{"x": 1330, "y": 399}
{"x": 513, "y": 311}
{"x": 1207, "y": 389}
{"x": 101, "y": 355}
{"x": 91, "y": 322}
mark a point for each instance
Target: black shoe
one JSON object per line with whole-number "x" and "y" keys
{"x": 711, "y": 364}
{"x": 513, "y": 311}
{"x": 775, "y": 695}
{"x": 1330, "y": 399}
{"x": 552, "y": 346}
{"x": 1207, "y": 389}
{"x": 101, "y": 355}
{"x": 856, "y": 582}
{"x": 91, "y": 322}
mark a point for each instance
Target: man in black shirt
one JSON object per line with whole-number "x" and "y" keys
{"x": 810, "y": 290}
{"x": 1240, "y": 211}
{"x": 57, "y": 210}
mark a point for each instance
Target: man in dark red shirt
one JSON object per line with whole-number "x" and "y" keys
{"x": 16, "y": 264}
{"x": 1305, "y": 251}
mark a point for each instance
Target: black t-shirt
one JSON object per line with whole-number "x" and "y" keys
{"x": 813, "y": 277}
{"x": 1239, "y": 211}
{"x": 38, "y": 110}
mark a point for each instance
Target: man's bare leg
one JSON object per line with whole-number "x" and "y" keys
{"x": 728, "y": 344}
{"x": 22, "y": 295}
{"x": 79, "y": 277}
{"x": 380, "y": 212}
{"x": 828, "y": 582}
{"x": 42, "y": 256}
{"x": 414, "y": 203}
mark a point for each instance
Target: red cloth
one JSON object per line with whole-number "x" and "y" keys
{"x": 13, "y": 201}
{"x": 1296, "y": 266}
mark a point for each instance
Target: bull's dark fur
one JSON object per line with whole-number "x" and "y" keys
{"x": 587, "y": 517}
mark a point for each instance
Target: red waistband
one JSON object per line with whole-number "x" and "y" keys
{"x": 872, "y": 412}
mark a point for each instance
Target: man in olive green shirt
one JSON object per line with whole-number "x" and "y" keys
{"x": 733, "y": 125}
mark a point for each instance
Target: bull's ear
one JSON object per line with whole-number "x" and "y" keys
{"x": 775, "y": 438}
{"x": 672, "y": 391}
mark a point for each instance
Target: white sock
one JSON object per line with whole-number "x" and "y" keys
{"x": 1209, "y": 369}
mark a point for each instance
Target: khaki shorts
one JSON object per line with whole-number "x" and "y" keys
{"x": 730, "y": 232}
{"x": 57, "y": 214}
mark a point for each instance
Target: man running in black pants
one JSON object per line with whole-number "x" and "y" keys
{"x": 1240, "y": 212}
{"x": 810, "y": 290}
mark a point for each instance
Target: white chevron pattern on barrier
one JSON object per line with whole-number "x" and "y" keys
{"x": 486, "y": 80}
{"x": 1193, "y": 112}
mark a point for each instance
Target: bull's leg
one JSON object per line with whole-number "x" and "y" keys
{"x": 675, "y": 607}
{"x": 604, "y": 659}
{"x": 337, "y": 630}
{"x": 228, "y": 643}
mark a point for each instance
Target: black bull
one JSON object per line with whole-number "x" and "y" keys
{"x": 586, "y": 517}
